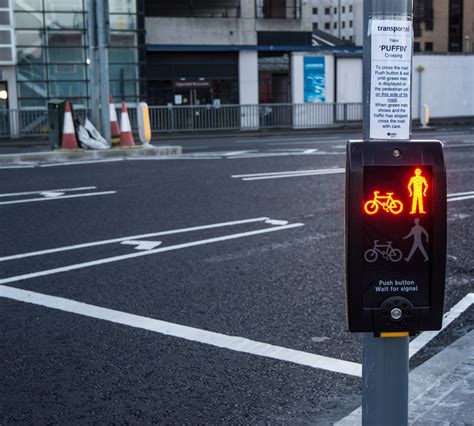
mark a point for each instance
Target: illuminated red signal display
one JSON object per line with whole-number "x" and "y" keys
{"x": 397, "y": 225}
{"x": 390, "y": 201}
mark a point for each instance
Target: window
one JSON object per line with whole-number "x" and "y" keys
{"x": 343, "y": 9}
{"x": 315, "y": 26}
{"x": 343, "y": 24}
{"x": 327, "y": 26}
{"x": 315, "y": 10}
{"x": 335, "y": 11}
{"x": 350, "y": 8}
{"x": 416, "y": 46}
{"x": 350, "y": 24}
{"x": 351, "y": 38}
{"x": 428, "y": 46}
{"x": 335, "y": 25}
{"x": 327, "y": 10}
{"x": 429, "y": 25}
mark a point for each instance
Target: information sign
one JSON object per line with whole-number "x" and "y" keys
{"x": 390, "y": 82}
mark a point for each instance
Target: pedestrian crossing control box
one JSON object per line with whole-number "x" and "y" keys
{"x": 395, "y": 236}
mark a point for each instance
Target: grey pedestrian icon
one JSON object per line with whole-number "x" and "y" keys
{"x": 416, "y": 232}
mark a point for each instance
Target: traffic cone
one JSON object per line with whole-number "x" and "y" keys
{"x": 69, "y": 141}
{"x": 126, "y": 136}
{"x": 114, "y": 127}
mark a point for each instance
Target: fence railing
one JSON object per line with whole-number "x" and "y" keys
{"x": 25, "y": 123}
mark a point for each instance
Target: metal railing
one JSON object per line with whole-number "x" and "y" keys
{"x": 244, "y": 117}
{"x": 34, "y": 123}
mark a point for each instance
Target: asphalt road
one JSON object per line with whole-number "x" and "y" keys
{"x": 241, "y": 238}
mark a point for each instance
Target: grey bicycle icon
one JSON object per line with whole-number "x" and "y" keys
{"x": 385, "y": 250}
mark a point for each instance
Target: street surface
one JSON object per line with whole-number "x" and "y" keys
{"x": 206, "y": 288}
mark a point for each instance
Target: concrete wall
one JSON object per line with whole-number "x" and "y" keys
{"x": 248, "y": 89}
{"x": 447, "y": 85}
{"x": 200, "y": 31}
{"x": 349, "y": 78}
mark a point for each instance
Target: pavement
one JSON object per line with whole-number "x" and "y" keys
{"x": 441, "y": 390}
{"x": 148, "y": 340}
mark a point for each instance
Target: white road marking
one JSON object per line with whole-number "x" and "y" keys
{"x": 142, "y": 245}
{"x": 467, "y": 197}
{"x": 51, "y": 194}
{"x": 456, "y": 194}
{"x": 29, "y": 166}
{"x": 145, "y": 253}
{"x": 297, "y": 172}
{"x": 335, "y": 171}
{"x": 424, "y": 338}
{"x": 18, "y": 194}
{"x": 224, "y": 341}
{"x": 132, "y": 237}
{"x": 32, "y": 200}
{"x": 75, "y": 163}
{"x": 276, "y": 222}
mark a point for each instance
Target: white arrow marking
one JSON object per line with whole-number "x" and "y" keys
{"x": 51, "y": 194}
{"x": 142, "y": 245}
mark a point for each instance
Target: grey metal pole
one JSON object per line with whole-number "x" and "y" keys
{"x": 102, "y": 15}
{"x": 385, "y": 360}
{"x": 93, "y": 66}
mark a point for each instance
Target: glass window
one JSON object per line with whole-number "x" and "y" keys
{"x": 121, "y": 89}
{"x": 122, "y": 6}
{"x": 315, "y": 10}
{"x": 66, "y": 55}
{"x": 30, "y": 55}
{"x": 343, "y": 24}
{"x": 5, "y": 37}
{"x": 32, "y": 89}
{"x": 6, "y": 54}
{"x": 29, "y": 20}
{"x": 29, "y": 38}
{"x": 64, "y": 5}
{"x": 4, "y": 17}
{"x": 350, "y": 24}
{"x": 119, "y": 55}
{"x": 127, "y": 72}
{"x": 67, "y": 89}
{"x": 67, "y": 72}
{"x": 343, "y": 9}
{"x": 428, "y": 46}
{"x": 123, "y": 39}
{"x": 123, "y": 22}
{"x": 327, "y": 11}
{"x": 327, "y": 26}
{"x": 57, "y": 21}
{"x": 32, "y": 103}
{"x": 31, "y": 72}
{"x": 315, "y": 26}
{"x": 28, "y": 4}
{"x": 63, "y": 38}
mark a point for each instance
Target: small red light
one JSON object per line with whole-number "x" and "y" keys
{"x": 417, "y": 188}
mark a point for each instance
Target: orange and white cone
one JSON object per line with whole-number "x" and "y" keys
{"x": 126, "y": 136}
{"x": 114, "y": 126}
{"x": 69, "y": 140}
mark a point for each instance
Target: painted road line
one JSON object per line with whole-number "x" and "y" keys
{"x": 456, "y": 194}
{"x": 321, "y": 171}
{"x": 424, "y": 338}
{"x": 145, "y": 253}
{"x": 29, "y": 166}
{"x": 18, "y": 194}
{"x": 78, "y": 163}
{"x": 32, "y": 200}
{"x": 132, "y": 237}
{"x": 223, "y": 341}
{"x": 467, "y": 197}
{"x": 290, "y": 175}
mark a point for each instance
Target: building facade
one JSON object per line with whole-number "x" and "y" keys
{"x": 50, "y": 49}
{"x": 336, "y": 17}
{"x": 443, "y": 25}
